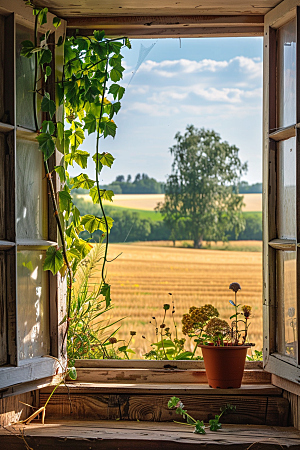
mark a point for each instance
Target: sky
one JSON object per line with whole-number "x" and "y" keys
{"x": 213, "y": 83}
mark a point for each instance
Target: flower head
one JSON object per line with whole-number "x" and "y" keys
{"x": 112, "y": 340}
{"x": 217, "y": 327}
{"x": 246, "y": 311}
{"x": 132, "y": 333}
{"x": 166, "y": 306}
{"x": 235, "y": 287}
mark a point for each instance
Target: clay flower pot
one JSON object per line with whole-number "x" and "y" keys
{"x": 224, "y": 365}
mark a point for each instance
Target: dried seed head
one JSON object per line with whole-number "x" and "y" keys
{"x": 162, "y": 325}
{"x": 166, "y": 306}
{"x": 133, "y": 333}
{"x": 235, "y": 287}
{"x": 112, "y": 340}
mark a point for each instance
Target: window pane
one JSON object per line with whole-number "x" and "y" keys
{"x": 2, "y": 187}
{"x": 286, "y": 195}
{"x": 25, "y": 69}
{"x": 3, "y": 311}
{"x": 33, "y": 305}
{"x": 287, "y": 74}
{"x": 31, "y": 192}
{"x": 287, "y": 303}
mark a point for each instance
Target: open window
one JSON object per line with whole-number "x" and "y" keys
{"x": 31, "y": 300}
{"x": 282, "y": 192}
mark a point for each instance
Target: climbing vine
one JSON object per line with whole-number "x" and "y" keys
{"x": 89, "y": 95}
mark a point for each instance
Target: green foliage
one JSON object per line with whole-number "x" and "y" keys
{"x": 199, "y": 191}
{"x": 214, "y": 424}
{"x": 54, "y": 260}
{"x": 142, "y": 184}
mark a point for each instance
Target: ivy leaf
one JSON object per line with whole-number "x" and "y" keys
{"x": 117, "y": 91}
{"x": 83, "y": 181}
{"x": 90, "y": 123}
{"x": 82, "y": 43}
{"x": 46, "y": 144}
{"x": 73, "y": 253}
{"x": 61, "y": 172}
{"x": 43, "y": 16}
{"x": 83, "y": 247}
{"x": 127, "y": 43}
{"x": 93, "y": 223}
{"x": 27, "y": 48}
{"x": 109, "y": 128}
{"x": 54, "y": 260}
{"x": 116, "y": 107}
{"x": 116, "y": 74}
{"x": 105, "y": 291}
{"x": 45, "y": 56}
{"x": 77, "y": 138}
{"x": 76, "y": 216}
{"x": 48, "y": 127}
{"x": 99, "y": 35}
{"x": 60, "y": 131}
{"x": 56, "y": 22}
{"x": 48, "y": 105}
{"x": 65, "y": 201}
{"x": 105, "y": 195}
{"x": 107, "y": 159}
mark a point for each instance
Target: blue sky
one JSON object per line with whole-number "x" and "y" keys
{"x": 213, "y": 83}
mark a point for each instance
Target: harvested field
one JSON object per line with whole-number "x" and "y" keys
{"x": 253, "y": 202}
{"x": 143, "y": 276}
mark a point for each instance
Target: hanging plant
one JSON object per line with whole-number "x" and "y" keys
{"x": 89, "y": 94}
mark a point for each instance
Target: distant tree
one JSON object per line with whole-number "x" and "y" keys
{"x": 120, "y": 178}
{"x": 128, "y": 179}
{"x": 200, "y": 190}
{"x": 137, "y": 177}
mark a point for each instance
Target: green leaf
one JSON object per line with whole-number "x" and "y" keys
{"x": 83, "y": 247}
{"x": 214, "y": 424}
{"x": 48, "y": 71}
{"x": 82, "y": 43}
{"x": 72, "y": 373}
{"x": 90, "y": 123}
{"x": 99, "y": 35}
{"x": 27, "y": 48}
{"x": 121, "y": 92}
{"x": 116, "y": 107}
{"x": 76, "y": 216}
{"x": 60, "y": 41}
{"x": 83, "y": 181}
{"x": 127, "y": 43}
{"x": 43, "y": 16}
{"x": 48, "y": 105}
{"x": 77, "y": 138}
{"x": 105, "y": 195}
{"x": 105, "y": 291}
{"x": 48, "y": 127}
{"x": 45, "y": 56}
{"x": 109, "y": 128}
{"x": 60, "y": 131}
{"x": 115, "y": 74}
{"x": 61, "y": 172}
{"x": 81, "y": 157}
{"x": 199, "y": 427}
{"x": 173, "y": 402}
{"x": 54, "y": 260}
{"x": 56, "y": 22}
{"x": 65, "y": 201}
{"x": 46, "y": 144}
{"x": 106, "y": 159}
{"x": 73, "y": 253}
{"x": 93, "y": 223}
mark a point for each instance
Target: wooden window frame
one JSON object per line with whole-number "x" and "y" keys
{"x": 22, "y": 375}
{"x": 278, "y": 364}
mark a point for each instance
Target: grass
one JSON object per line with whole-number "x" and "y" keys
{"x": 144, "y": 275}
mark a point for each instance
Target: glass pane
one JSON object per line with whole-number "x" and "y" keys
{"x": 287, "y": 74}
{"x": 25, "y": 69}
{"x": 31, "y": 192}
{"x": 286, "y": 195}
{"x": 3, "y": 310}
{"x": 2, "y": 188}
{"x": 33, "y": 305}
{"x": 287, "y": 303}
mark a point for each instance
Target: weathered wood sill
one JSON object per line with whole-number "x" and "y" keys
{"x": 112, "y": 435}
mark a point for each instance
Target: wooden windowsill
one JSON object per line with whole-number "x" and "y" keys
{"x": 112, "y": 435}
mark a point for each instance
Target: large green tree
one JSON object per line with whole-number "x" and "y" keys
{"x": 201, "y": 192}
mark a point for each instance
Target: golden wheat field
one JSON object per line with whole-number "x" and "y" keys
{"x": 252, "y": 202}
{"x": 143, "y": 276}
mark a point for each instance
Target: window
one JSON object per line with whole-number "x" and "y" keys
{"x": 31, "y": 300}
{"x": 282, "y": 194}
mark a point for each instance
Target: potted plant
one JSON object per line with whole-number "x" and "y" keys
{"x": 224, "y": 346}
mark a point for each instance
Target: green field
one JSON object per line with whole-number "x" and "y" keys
{"x": 155, "y": 216}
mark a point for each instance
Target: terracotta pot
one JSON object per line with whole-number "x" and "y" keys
{"x": 224, "y": 365}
